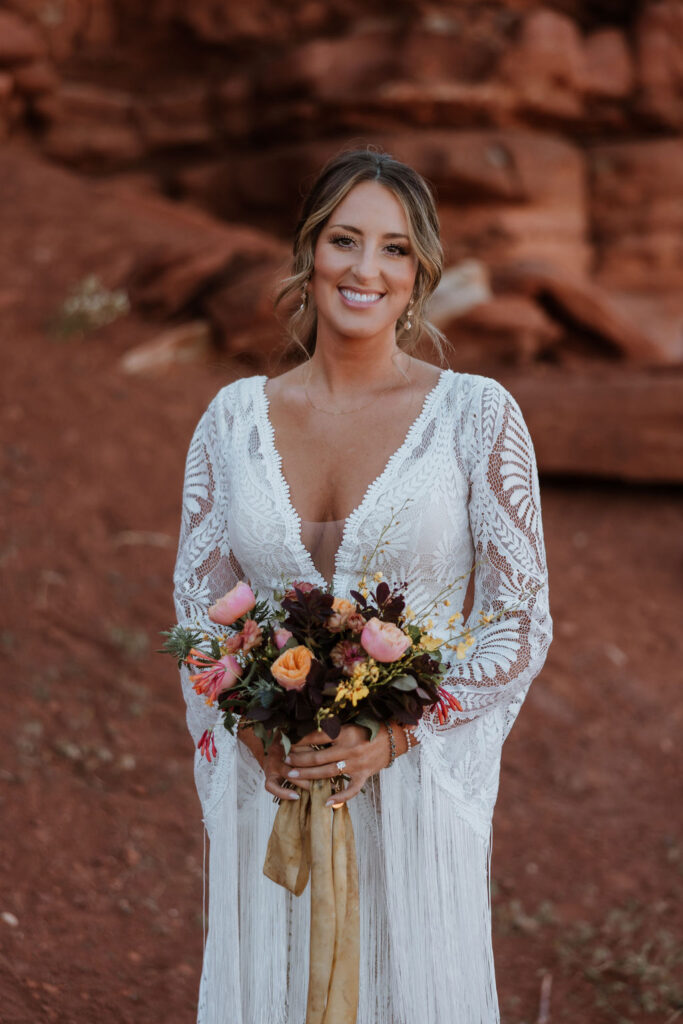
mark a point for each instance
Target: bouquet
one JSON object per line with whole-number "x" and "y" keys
{"x": 317, "y": 662}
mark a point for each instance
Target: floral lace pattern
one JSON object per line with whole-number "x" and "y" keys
{"x": 467, "y": 465}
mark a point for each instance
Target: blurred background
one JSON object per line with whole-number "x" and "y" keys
{"x": 152, "y": 163}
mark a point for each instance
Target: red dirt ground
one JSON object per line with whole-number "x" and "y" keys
{"x": 101, "y": 846}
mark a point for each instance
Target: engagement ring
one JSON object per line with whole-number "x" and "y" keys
{"x": 341, "y": 765}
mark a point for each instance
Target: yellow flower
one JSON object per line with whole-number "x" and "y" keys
{"x": 378, "y": 576}
{"x": 486, "y": 618}
{"x": 353, "y": 690}
{"x": 430, "y": 643}
{"x": 446, "y": 602}
{"x": 364, "y": 591}
{"x": 429, "y": 624}
{"x": 409, "y": 612}
{"x": 455, "y": 617}
{"x": 461, "y": 650}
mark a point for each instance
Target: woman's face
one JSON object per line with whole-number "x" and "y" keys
{"x": 364, "y": 265}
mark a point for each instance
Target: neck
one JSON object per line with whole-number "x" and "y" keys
{"x": 356, "y": 365}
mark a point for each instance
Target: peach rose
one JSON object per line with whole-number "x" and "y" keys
{"x": 292, "y": 666}
{"x": 233, "y": 604}
{"x": 341, "y": 610}
{"x": 383, "y": 640}
{"x": 281, "y": 636}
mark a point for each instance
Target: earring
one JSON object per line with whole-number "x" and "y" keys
{"x": 409, "y": 312}
{"x": 304, "y": 296}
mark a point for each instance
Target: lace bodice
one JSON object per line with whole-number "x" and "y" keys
{"x": 467, "y": 467}
{"x": 467, "y": 464}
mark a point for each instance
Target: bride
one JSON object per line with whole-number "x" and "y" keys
{"x": 293, "y": 478}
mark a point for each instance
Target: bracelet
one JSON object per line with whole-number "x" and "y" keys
{"x": 392, "y": 745}
{"x": 410, "y": 739}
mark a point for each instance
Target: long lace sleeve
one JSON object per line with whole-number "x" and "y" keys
{"x": 205, "y": 567}
{"x": 507, "y": 534}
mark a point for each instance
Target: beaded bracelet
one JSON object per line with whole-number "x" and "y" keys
{"x": 392, "y": 745}
{"x": 410, "y": 739}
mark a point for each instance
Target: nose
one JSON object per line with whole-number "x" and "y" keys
{"x": 366, "y": 267}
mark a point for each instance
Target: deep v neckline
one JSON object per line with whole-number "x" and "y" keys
{"x": 293, "y": 517}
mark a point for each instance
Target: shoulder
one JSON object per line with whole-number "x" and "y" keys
{"x": 478, "y": 389}
{"x": 231, "y": 399}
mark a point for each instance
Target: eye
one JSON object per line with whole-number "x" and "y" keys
{"x": 336, "y": 239}
{"x": 400, "y": 250}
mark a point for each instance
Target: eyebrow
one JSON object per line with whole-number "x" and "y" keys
{"x": 357, "y": 231}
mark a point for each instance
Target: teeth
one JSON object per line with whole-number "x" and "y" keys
{"x": 360, "y": 296}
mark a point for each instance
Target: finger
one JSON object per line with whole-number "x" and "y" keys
{"x": 272, "y": 786}
{"x": 317, "y": 737}
{"x": 353, "y": 789}
{"x": 322, "y": 771}
{"x": 309, "y": 758}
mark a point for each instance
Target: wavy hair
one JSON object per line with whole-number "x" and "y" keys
{"x": 336, "y": 179}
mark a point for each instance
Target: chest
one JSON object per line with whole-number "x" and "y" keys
{"x": 329, "y": 462}
{"x": 271, "y": 538}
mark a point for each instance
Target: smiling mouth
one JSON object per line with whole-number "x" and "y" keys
{"x": 358, "y": 299}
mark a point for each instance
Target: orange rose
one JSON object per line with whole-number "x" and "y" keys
{"x": 292, "y": 666}
{"x": 341, "y": 609}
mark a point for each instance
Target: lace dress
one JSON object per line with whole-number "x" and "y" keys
{"x": 422, "y": 827}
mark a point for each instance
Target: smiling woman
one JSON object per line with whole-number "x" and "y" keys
{"x": 334, "y": 446}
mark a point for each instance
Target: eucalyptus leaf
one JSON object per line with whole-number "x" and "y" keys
{"x": 370, "y": 723}
{"x": 404, "y": 683}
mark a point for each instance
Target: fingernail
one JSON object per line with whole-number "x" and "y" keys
{"x": 293, "y": 796}
{"x": 293, "y": 774}
{"x": 288, "y": 759}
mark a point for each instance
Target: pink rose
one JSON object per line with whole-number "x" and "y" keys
{"x": 236, "y": 602}
{"x": 281, "y": 636}
{"x": 251, "y": 634}
{"x": 383, "y": 640}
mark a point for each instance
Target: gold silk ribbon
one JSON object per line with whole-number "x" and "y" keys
{"x": 310, "y": 839}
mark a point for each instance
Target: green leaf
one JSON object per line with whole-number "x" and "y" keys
{"x": 404, "y": 683}
{"x": 215, "y": 648}
{"x": 370, "y": 723}
{"x": 286, "y": 743}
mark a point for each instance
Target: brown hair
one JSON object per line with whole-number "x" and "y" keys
{"x": 336, "y": 179}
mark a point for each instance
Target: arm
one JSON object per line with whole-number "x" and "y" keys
{"x": 506, "y": 527}
{"x": 205, "y": 568}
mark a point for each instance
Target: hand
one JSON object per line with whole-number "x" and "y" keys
{"x": 272, "y": 764}
{"x": 364, "y": 757}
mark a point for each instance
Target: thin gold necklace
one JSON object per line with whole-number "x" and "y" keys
{"x": 345, "y": 412}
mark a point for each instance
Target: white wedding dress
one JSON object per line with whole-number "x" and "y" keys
{"x": 423, "y": 826}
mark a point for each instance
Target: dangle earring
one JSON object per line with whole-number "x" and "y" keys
{"x": 304, "y": 296}
{"x": 409, "y": 312}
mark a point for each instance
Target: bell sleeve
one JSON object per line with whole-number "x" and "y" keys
{"x": 511, "y": 577}
{"x": 205, "y": 569}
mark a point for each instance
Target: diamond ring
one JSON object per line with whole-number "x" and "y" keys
{"x": 341, "y": 765}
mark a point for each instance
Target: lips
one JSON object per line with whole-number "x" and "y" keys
{"x": 359, "y": 299}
